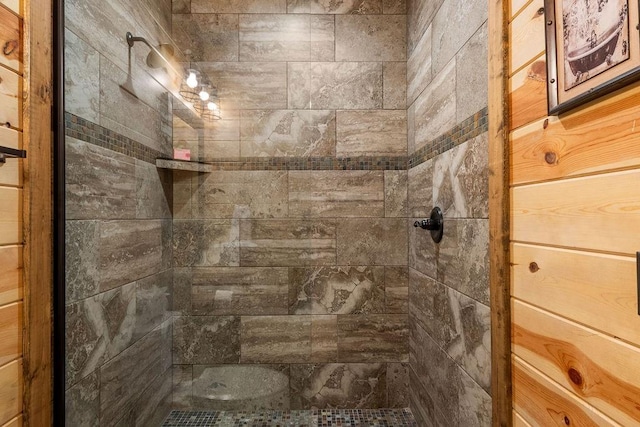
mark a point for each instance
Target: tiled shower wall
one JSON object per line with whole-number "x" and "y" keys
{"x": 291, "y": 274}
{"x": 118, "y": 235}
{"x": 449, "y": 313}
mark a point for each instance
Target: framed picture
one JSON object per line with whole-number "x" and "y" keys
{"x": 593, "y": 48}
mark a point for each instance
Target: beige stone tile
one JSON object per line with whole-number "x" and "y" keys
{"x": 314, "y": 194}
{"x": 249, "y": 85}
{"x": 81, "y": 257}
{"x": 239, "y": 291}
{"x": 336, "y": 290}
{"x": 275, "y": 339}
{"x": 419, "y": 67}
{"x": 395, "y": 193}
{"x": 422, "y": 250}
{"x": 379, "y": 241}
{"x": 299, "y": 85}
{"x": 269, "y": 37}
{"x": 153, "y": 191}
{"x": 130, "y": 373}
{"x": 181, "y": 6}
{"x": 322, "y": 37}
{"x": 97, "y": 329}
{"x": 333, "y": 7}
{"x": 460, "y": 180}
{"x": 324, "y": 339}
{"x": 287, "y": 243}
{"x": 420, "y": 14}
{"x": 421, "y": 189}
{"x": 411, "y": 129}
{"x": 394, "y": 7}
{"x": 471, "y": 79}
{"x": 396, "y": 289}
{"x": 182, "y": 386}
{"x": 82, "y": 401}
{"x": 398, "y": 389}
{"x": 373, "y": 338}
{"x": 346, "y": 85}
{"x": 371, "y": 38}
{"x": 129, "y": 250}
{"x": 338, "y": 385}
{"x": 435, "y": 108}
{"x": 154, "y": 404}
{"x": 100, "y": 183}
{"x": 81, "y": 78}
{"x": 199, "y": 340}
{"x": 463, "y": 258}
{"x": 395, "y": 85}
{"x": 240, "y": 194}
{"x": 287, "y": 133}
{"x": 371, "y": 133}
{"x": 239, "y": 6}
{"x": 465, "y": 15}
{"x": 209, "y": 37}
{"x": 205, "y": 243}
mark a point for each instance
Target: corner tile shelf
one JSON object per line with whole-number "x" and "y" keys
{"x": 182, "y": 165}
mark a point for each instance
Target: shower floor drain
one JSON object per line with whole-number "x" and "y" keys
{"x": 310, "y": 418}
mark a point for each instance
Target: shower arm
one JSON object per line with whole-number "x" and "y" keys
{"x": 131, "y": 40}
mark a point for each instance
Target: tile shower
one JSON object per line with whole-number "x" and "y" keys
{"x": 291, "y": 276}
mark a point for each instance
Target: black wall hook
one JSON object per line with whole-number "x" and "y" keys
{"x": 435, "y": 224}
{"x": 11, "y": 152}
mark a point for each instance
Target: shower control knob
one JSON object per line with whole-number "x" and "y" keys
{"x": 427, "y": 224}
{"x": 435, "y": 224}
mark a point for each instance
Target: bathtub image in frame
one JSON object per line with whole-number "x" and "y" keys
{"x": 593, "y": 48}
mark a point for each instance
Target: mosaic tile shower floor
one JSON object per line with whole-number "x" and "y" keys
{"x": 315, "y": 418}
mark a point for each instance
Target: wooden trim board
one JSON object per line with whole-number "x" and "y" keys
{"x": 38, "y": 213}
{"x": 499, "y": 273}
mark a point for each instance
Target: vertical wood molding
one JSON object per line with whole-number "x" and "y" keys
{"x": 38, "y": 212}
{"x": 499, "y": 274}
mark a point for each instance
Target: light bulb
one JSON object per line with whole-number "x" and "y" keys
{"x": 212, "y": 106}
{"x": 192, "y": 80}
{"x": 204, "y": 95}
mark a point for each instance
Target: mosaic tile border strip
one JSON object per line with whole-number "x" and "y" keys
{"x": 310, "y": 163}
{"x": 87, "y": 131}
{"x": 302, "y": 418}
{"x": 469, "y": 128}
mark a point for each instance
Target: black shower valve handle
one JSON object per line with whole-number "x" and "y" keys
{"x": 435, "y": 224}
{"x": 428, "y": 224}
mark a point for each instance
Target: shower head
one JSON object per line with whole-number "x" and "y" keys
{"x": 159, "y": 58}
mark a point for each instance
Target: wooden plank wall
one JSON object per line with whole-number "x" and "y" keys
{"x": 575, "y": 222}
{"x": 11, "y": 217}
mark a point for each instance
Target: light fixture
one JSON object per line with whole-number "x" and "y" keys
{"x": 199, "y": 92}
{"x": 204, "y": 93}
{"x": 212, "y": 110}
{"x": 210, "y": 115}
{"x": 188, "y": 87}
{"x": 192, "y": 80}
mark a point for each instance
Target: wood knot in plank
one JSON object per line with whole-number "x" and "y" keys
{"x": 533, "y": 267}
{"x": 575, "y": 377}
{"x": 550, "y": 157}
{"x": 10, "y": 47}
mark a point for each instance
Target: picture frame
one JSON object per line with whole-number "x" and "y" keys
{"x": 593, "y": 48}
